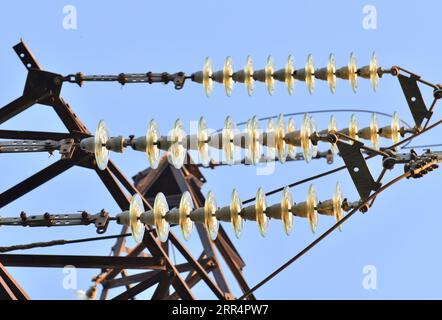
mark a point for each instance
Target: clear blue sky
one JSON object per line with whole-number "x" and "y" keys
{"x": 399, "y": 236}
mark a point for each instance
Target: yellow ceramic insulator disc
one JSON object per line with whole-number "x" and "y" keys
{"x": 253, "y": 145}
{"x": 235, "y": 209}
{"x": 227, "y": 76}
{"x": 306, "y": 143}
{"x": 281, "y": 148}
{"x": 310, "y": 74}
{"x": 338, "y": 212}
{"x": 177, "y": 153}
{"x": 313, "y": 129}
{"x": 331, "y": 70}
{"x": 286, "y": 210}
{"x": 269, "y": 80}
{"x": 101, "y": 152}
{"x": 289, "y": 79}
{"x": 248, "y": 74}
{"x": 212, "y": 224}
{"x": 160, "y": 208}
{"x": 207, "y": 77}
{"x": 260, "y": 208}
{"x": 185, "y": 208}
{"x": 353, "y": 72}
{"x": 312, "y": 214}
{"x": 373, "y": 67}
{"x": 152, "y": 150}
{"x": 136, "y": 208}
{"x": 353, "y": 128}
{"x": 291, "y": 149}
{"x": 374, "y": 131}
{"x": 395, "y": 128}
{"x": 271, "y": 140}
{"x": 203, "y": 146}
{"x": 227, "y": 136}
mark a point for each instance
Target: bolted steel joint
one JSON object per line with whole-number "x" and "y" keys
{"x": 437, "y": 93}
{"x": 178, "y": 80}
{"x": 364, "y": 208}
{"x": 389, "y": 163}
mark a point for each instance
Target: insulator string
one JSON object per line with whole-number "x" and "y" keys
{"x": 407, "y": 140}
{"x": 323, "y": 236}
{"x": 300, "y": 113}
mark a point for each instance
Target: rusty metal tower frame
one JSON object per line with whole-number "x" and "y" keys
{"x": 43, "y": 87}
